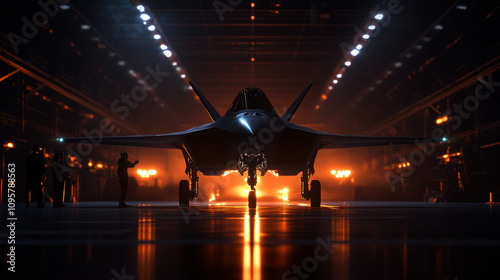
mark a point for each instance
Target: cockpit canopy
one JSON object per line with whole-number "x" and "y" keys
{"x": 251, "y": 98}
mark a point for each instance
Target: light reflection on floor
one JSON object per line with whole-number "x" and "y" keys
{"x": 159, "y": 240}
{"x": 251, "y": 252}
{"x": 146, "y": 248}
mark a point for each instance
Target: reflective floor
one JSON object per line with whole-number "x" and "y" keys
{"x": 351, "y": 240}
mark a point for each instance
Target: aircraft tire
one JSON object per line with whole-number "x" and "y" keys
{"x": 315, "y": 193}
{"x": 184, "y": 193}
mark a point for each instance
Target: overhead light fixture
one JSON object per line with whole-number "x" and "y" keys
{"x": 157, "y": 37}
{"x": 438, "y": 27}
{"x": 461, "y": 7}
{"x": 174, "y": 63}
{"x": 64, "y": 7}
{"x": 347, "y": 63}
{"x": 398, "y": 64}
{"x": 121, "y": 62}
{"x": 183, "y": 76}
{"x": 151, "y": 28}
{"x": 359, "y": 46}
{"x": 163, "y": 47}
{"x": 178, "y": 68}
{"x": 85, "y": 26}
{"x": 141, "y": 8}
{"x": 371, "y": 27}
{"x": 335, "y": 81}
{"x": 330, "y": 87}
{"x": 354, "y": 52}
{"x": 379, "y": 16}
{"x": 366, "y": 36}
{"x": 145, "y": 17}
{"x": 167, "y": 53}
{"x": 339, "y": 75}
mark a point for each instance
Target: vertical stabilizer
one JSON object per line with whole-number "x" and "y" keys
{"x": 214, "y": 115}
{"x": 289, "y": 113}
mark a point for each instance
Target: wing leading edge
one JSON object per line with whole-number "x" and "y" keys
{"x": 335, "y": 141}
{"x": 169, "y": 141}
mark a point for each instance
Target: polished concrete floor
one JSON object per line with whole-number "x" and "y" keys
{"x": 340, "y": 240}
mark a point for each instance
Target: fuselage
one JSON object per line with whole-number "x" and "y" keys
{"x": 251, "y": 127}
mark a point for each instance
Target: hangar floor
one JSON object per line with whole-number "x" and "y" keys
{"x": 341, "y": 240}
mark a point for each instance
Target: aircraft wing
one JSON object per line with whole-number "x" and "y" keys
{"x": 334, "y": 141}
{"x": 171, "y": 141}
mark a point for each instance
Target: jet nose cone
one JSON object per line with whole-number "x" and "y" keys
{"x": 251, "y": 124}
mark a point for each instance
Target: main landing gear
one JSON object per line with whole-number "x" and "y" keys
{"x": 314, "y": 193}
{"x": 185, "y": 193}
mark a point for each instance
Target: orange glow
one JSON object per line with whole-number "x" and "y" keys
{"x": 445, "y": 156}
{"x": 9, "y": 145}
{"x": 90, "y": 164}
{"x": 324, "y": 97}
{"x": 274, "y": 173}
{"x": 341, "y": 173}
{"x": 251, "y": 251}
{"x": 442, "y": 120}
{"x": 252, "y": 17}
{"x": 227, "y": 172}
{"x": 212, "y": 198}
{"x": 252, "y": 59}
{"x": 146, "y": 250}
{"x": 146, "y": 173}
{"x": 99, "y": 165}
{"x": 277, "y": 12}
{"x": 284, "y": 194}
{"x": 252, "y": 5}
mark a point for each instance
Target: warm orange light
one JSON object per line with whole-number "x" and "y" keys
{"x": 252, "y": 5}
{"x": 324, "y": 97}
{"x": 227, "y": 172}
{"x": 341, "y": 173}
{"x": 445, "y": 156}
{"x": 99, "y": 165}
{"x": 90, "y": 164}
{"x": 9, "y": 145}
{"x": 442, "y": 120}
{"x": 274, "y": 173}
{"x": 277, "y": 12}
{"x": 252, "y": 17}
{"x": 212, "y": 198}
{"x": 252, "y": 59}
{"x": 146, "y": 173}
{"x": 284, "y": 194}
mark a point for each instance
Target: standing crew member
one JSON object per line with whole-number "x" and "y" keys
{"x": 34, "y": 171}
{"x": 123, "y": 165}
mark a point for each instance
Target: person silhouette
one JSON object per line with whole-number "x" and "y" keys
{"x": 34, "y": 172}
{"x": 123, "y": 165}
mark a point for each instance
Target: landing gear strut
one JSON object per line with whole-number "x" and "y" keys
{"x": 314, "y": 193}
{"x": 252, "y": 163}
{"x": 185, "y": 193}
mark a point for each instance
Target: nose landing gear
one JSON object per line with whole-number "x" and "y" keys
{"x": 252, "y": 163}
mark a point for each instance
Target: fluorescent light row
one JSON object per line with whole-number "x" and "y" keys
{"x": 148, "y": 20}
{"x": 354, "y": 52}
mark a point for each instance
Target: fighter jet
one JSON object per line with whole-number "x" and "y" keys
{"x": 251, "y": 137}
